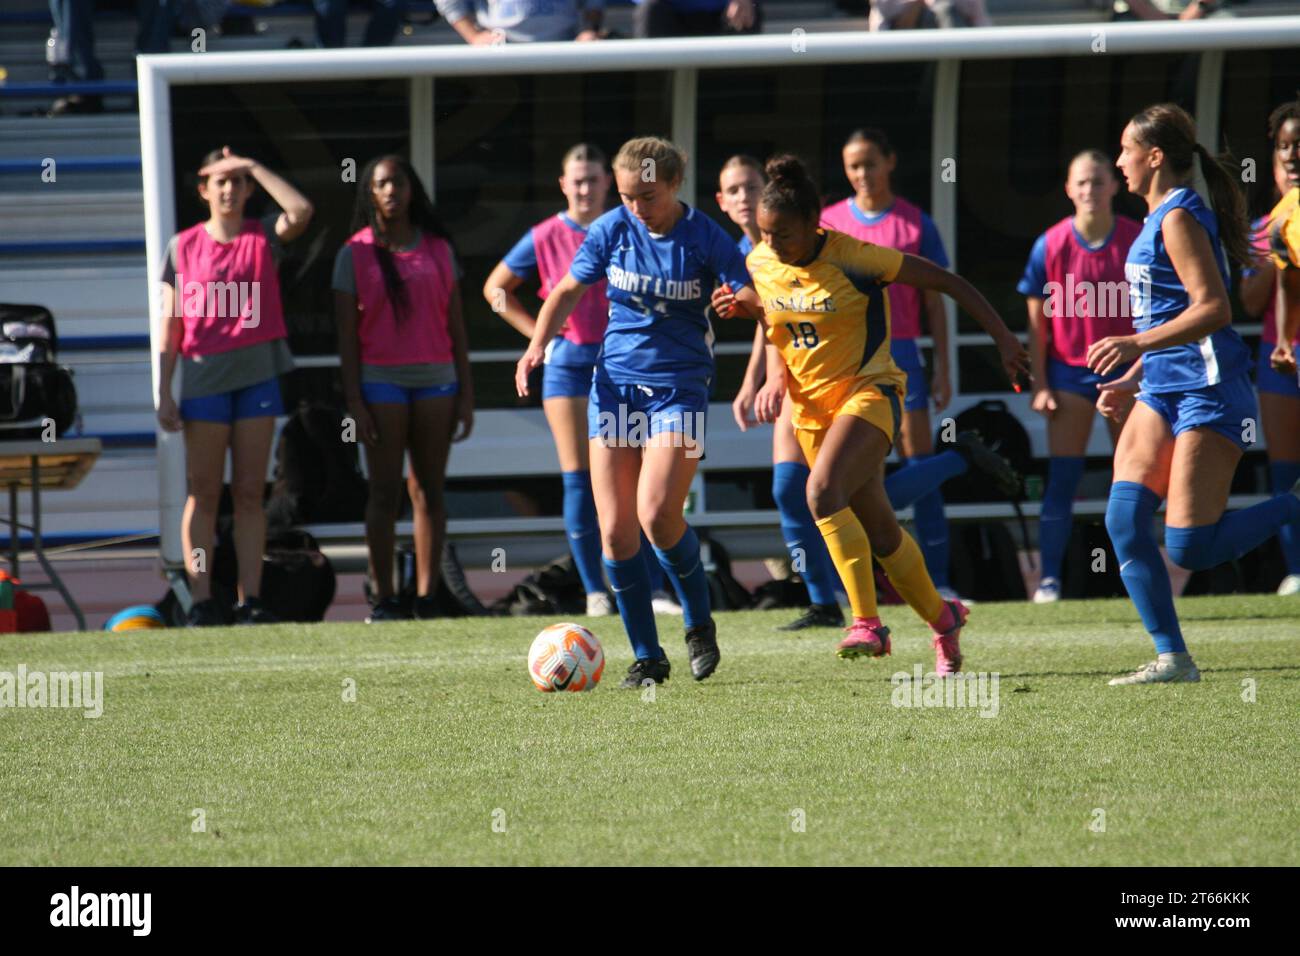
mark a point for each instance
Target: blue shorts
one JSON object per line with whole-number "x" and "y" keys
{"x": 385, "y": 393}
{"x": 569, "y": 369}
{"x": 1225, "y": 408}
{"x": 907, "y": 356}
{"x": 1079, "y": 379}
{"x": 1268, "y": 380}
{"x": 627, "y": 415}
{"x": 252, "y": 401}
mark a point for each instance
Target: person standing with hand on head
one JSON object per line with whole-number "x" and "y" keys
{"x": 231, "y": 354}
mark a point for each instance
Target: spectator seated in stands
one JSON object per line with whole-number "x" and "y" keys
{"x": 331, "y": 22}
{"x": 697, "y": 18}
{"x": 524, "y": 21}
{"x": 927, "y": 14}
{"x": 1167, "y": 10}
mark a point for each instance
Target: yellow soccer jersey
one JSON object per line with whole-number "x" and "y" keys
{"x": 830, "y": 321}
{"x": 1284, "y": 231}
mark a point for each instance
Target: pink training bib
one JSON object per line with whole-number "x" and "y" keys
{"x": 420, "y": 334}
{"x": 899, "y": 229}
{"x": 228, "y": 293}
{"x": 1086, "y": 296}
{"x": 556, "y": 242}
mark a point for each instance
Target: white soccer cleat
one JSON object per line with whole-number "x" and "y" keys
{"x": 1290, "y": 585}
{"x": 1049, "y": 591}
{"x": 1169, "y": 669}
{"x": 599, "y": 604}
{"x": 663, "y": 604}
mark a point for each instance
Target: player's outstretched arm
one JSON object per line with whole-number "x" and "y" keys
{"x": 559, "y": 305}
{"x": 924, "y": 274}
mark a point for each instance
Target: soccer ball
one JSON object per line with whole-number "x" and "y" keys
{"x": 565, "y": 657}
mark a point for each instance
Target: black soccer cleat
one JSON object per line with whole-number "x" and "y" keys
{"x": 641, "y": 671}
{"x": 425, "y": 608}
{"x": 205, "y": 613}
{"x": 702, "y": 648}
{"x": 982, "y": 458}
{"x": 816, "y": 615}
{"x": 253, "y": 612}
{"x": 388, "y": 609}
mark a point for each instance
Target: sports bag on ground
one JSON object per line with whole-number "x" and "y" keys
{"x": 34, "y": 389}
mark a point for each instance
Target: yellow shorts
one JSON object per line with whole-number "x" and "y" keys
{"x": 877, "y": 404}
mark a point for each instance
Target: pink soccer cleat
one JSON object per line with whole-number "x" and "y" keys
{"x": 864, "y": 640}
{"x": 947, "y": 650}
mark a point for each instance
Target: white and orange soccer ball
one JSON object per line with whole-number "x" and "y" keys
{"x": 566, "y": 657}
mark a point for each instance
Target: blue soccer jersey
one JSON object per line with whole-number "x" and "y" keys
{"x": 1157, "y": 296}
{"x": 658, "y": 290}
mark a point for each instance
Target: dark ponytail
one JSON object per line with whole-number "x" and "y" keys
{"x": 1172, "y": 129}
{"x": 1229, "y": 205}
{"x": 790, "y": 189}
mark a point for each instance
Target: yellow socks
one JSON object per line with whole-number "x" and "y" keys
{"x": 907, "y": 572}
{"x": 851, "y": 551}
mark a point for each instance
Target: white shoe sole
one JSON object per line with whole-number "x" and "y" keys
{"x": 1187, "y": 676}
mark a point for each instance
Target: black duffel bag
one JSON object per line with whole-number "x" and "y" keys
{"x": 34, "y": 390}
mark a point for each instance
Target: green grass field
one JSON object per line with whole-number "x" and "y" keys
{"x": 786, "y": 756}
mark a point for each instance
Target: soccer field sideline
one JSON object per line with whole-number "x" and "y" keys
{"x": 242, "y": 746}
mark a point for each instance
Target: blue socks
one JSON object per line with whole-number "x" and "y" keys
{"x": 1129, "y": 515}
{"x": 630, "y": 581}
{"x": 652, "y": 568}
{"x": 803, "y": 540}
{"x": 583, "y": 529}
{"x": 1284, "y": 475}
{"x": 917, "y": 483}
{"x": 682, "y": 565}
{"x": 922, "y": 475}
{"x": 1208, "y": 545}
{"x": 1063, "y": 476}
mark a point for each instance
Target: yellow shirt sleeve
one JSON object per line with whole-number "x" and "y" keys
{"x": 1284, "y": 231}
{"x": 871, "y": 262}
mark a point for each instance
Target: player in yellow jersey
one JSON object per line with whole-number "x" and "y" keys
{"x": 827, "y": 326}
{"x": 1284, "y": 235}
{"x": 1272, "y": 289}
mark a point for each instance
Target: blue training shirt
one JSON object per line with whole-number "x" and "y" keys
{"x": 659, "y": 288}
{"x": 1156, "y": 296}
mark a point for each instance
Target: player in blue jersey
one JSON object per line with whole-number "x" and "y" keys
{"x": 1195, "y": 410}
{"x": 546, "y": 250}
{"x": 650, "y": 395}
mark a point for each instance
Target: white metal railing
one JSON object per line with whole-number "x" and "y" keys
{"x": 684, "y": 58}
